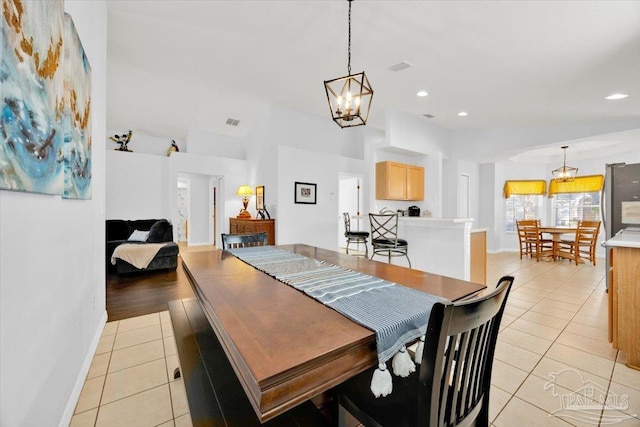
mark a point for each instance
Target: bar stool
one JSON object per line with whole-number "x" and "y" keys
{"x": 354, "y": 236}
{"x": 384, "y": 237}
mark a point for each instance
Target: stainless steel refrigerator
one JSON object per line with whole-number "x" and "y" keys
{"x": 620, "y": 203}
{"x": 621, "y": 198}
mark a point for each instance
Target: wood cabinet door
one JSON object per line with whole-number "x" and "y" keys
{"x": 415, "y": 182}
{"x": 396, "y": 181}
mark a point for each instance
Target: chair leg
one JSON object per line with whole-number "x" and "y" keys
{"x": 347, "y": 248}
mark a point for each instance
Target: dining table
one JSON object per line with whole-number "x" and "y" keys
{"x": 556, "y": 233}
{"x": 285, "y": 347}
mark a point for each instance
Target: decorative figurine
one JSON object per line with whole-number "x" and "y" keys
{"x": 122, "y": 140}
{"x": 174, "y": 148}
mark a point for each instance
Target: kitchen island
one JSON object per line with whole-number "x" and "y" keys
{"x": 624, "y": 293}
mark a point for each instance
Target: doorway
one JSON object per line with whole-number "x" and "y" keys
{"x": 197, "y": 208}
{"x": 350, "y": 200}
{"x": 464, "y": 210}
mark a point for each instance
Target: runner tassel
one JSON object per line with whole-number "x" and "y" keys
{"x": 381, "y": 384}
{"x": 402, "y": 364}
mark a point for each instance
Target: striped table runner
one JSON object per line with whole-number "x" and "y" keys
{"x": 397, "y": 315}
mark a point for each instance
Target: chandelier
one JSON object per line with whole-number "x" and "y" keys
{"x": 565, "y": 173}
{"x": 350, "y": 96}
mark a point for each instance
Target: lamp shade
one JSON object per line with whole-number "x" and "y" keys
{"x": 244, "y": 190}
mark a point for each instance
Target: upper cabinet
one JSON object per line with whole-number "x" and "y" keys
{"x": 399, "y": 181}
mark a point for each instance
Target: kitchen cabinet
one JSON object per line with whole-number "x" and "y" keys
{"x": 399, "y": 181}
{"x": 249, "y": 226}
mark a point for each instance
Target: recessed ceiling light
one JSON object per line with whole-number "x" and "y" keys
{"x": 617, "y": 96}
{"x": 422, "y": 93}
{"x": 462, "y": 113}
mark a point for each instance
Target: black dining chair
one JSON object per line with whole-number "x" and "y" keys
{"x": 354, "y": 236}
{"x": 454, "y": 378}
{"x": 232, "y": 241}
{"x": 384, "y": 237}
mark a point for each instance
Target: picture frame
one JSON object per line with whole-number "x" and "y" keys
{"x": 260, "y": 197}
{"x": 305, "y": 193}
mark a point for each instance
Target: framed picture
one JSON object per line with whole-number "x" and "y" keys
{"x": 260, "y": 197}
{"x": 305, "y": 193}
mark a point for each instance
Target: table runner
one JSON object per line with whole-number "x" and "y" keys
{"x": 397, "y": 314}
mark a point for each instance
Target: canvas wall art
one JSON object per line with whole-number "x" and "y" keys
{"x": 32, "y": 97}
{"x": 77, "y": 117}
{"x": 45, "y": 144}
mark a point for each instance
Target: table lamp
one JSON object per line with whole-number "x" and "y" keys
{"x": 244, "y": 191}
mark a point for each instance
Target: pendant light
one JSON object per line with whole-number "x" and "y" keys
{"x": 565, "y": 173}
{"x": 350, "y": 96}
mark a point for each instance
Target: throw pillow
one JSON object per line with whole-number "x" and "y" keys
{"x": 158, "y": 232}
{"x": 138, "y": 236}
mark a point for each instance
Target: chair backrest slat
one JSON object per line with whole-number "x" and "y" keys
{"x": 460, "y": 355}
{"x": 231, "y": 241}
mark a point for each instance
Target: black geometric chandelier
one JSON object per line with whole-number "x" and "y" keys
{"x": 565, "y": 173}
{"x": 350, "y": 96}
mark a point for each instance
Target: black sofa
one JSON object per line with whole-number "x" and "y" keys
{"x": 160, "y": 230}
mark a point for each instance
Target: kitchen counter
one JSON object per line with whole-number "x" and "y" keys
{"x": 627, "y": 238}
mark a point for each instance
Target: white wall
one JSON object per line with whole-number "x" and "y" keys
{"x": 199, "y": 206}
{"x": 414, "y": 133}
{"x": 213, "y": 144}
{"x": 317, "y": 224}
{"x": 52, "y": 286}
{"x": 137, "y": 186}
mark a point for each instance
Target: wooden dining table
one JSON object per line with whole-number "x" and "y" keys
{"x": 556, "y": 235}
{"x": 284, "y": 346}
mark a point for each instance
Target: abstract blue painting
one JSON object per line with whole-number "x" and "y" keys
{"x": 77, "y": 116}
{"x": 44, "y": 84}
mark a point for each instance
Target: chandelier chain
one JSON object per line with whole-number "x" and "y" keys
{"x": 349, "y": 48}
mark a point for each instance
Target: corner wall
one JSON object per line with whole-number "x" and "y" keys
{"x": 52, "y": 272}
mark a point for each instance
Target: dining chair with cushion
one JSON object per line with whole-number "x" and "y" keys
{"x": 232, "y": 241}
{"x": 452, "y": 385}
{"x": 384, "y": 237}
{"x": 583, "y": 244}
{"x": 354, "y": 236}
{"x": 531, "y": 241}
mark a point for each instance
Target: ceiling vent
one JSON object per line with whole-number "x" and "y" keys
{"x": 233, "y": 122}
{"x": 429, "y": 116}
{"x": 400, "y": 66}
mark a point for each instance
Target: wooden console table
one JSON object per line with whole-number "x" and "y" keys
{"x": 250, "y": 225}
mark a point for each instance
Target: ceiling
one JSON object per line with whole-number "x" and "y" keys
{"x": 176, "y": 65}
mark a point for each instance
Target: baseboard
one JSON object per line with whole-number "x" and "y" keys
{"x": 82, "y": 376}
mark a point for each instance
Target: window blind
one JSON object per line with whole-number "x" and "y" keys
{"x": 582, "y": 184}
{"x": 525, "y": 187}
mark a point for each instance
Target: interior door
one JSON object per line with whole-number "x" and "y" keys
{"x": 464, "y": 210}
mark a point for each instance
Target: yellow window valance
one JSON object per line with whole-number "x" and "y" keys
{"x": 582, "y": 184}
{"x": 524, "y": 187}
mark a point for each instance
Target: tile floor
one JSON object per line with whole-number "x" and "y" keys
{"x": 130, "y": 382}
{"x": 552, "y": 366}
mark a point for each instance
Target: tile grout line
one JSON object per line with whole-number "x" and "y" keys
{"x": 545, "y": 353}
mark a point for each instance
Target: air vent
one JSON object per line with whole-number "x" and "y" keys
{"x": 429, "y": 116}
{"x": 400, "y": 66}
{"x": 233, "y": 122}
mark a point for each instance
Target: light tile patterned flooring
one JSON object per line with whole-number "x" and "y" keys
{"x": 130, "y": 382}
{"x": 552, "y": 348}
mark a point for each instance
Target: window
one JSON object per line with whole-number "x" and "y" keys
{"x": 569, "y": 208}
{"x": 520, "y": 206}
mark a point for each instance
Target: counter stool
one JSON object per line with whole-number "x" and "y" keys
{"x": 354, "y": 236}
{"x": 384, "y": 237}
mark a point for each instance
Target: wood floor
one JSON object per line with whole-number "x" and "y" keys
{"x": 144, "y": 293}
